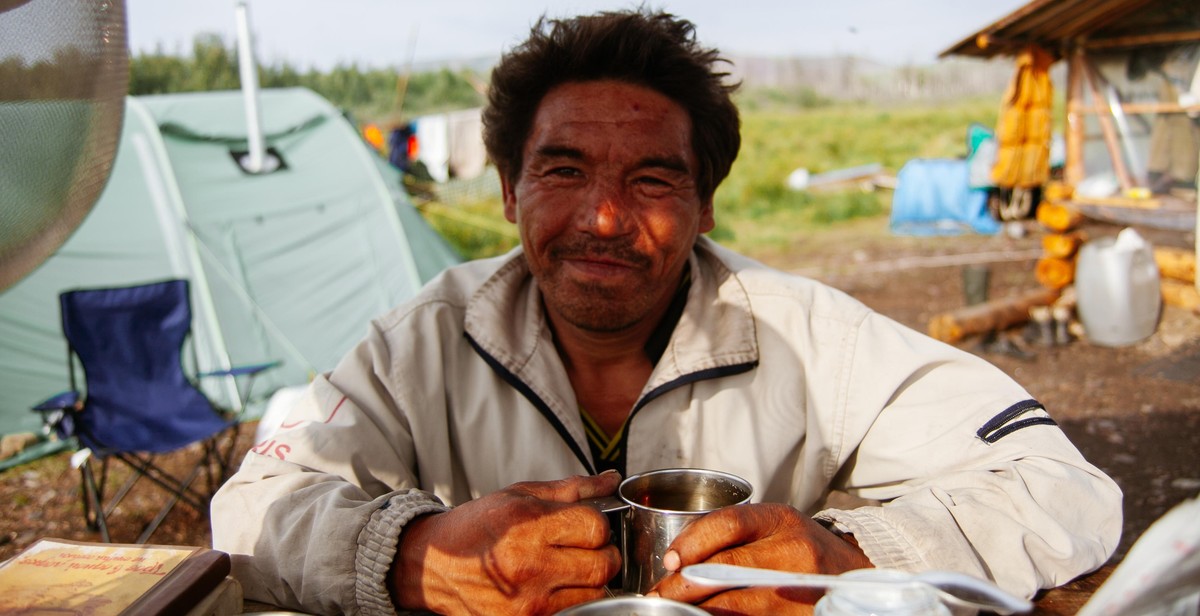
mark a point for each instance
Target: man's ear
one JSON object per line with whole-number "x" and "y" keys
{"x": 510, "y": 198}
{"x": 707, "y": 223}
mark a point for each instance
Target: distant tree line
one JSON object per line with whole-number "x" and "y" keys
{"x": 816, "y": 81}
{"x": 67, "y": 74}
{"x": 368, "y": 94}
{"x": 389, "y": 95}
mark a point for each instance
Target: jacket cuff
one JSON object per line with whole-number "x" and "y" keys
{"x": 884, "y": 547}
{"x": 377, "y": 547}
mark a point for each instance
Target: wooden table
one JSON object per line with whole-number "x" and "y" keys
{"x": 1068, "y": 599}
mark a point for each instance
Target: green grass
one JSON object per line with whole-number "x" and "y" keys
{"x": 475, "y": 228}
{"x": 754, "y": 207}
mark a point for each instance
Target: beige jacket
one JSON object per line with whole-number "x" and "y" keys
{"x": 779, "y": 379}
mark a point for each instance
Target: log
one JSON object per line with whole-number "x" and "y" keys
{"x": 1176, "y": 263}
{"x": 1180, "y": 294}
{"x": 1057, "y": 192}
{"x": 1141, "y": 203}
{"x": 997, "y": 314}
{"x": 1054, "y": 273}
{"x": 1058, "y": 216}
{"x": 1063, "y": 245}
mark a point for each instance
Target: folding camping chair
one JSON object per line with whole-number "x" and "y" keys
{"x": 138, "y": 403}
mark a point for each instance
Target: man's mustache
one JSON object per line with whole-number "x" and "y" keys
{"x": 584, "y": 248}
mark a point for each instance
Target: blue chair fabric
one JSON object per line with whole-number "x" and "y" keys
{"x": 130, "y": 341}
{"x": 138, "y": 401}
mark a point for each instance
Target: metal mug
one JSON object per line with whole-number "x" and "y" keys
{"x": 656, "y": 506}
{"x": 633, "y": 606}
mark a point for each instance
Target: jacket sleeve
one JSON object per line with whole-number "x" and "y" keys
{"x": 974, "y": 475}
{"x": 313, "y": 516}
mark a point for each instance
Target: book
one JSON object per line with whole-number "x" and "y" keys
{"x": 109, "y": 579}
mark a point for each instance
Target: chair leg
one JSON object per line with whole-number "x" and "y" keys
{"x": 177, "y": 494}
{"x": 120, "y": 493}
{"x": 215, "y": 464}
{"x": 145, "y": 468}
{"x": 225, "y": 458}
{"x": 91, "y": 500}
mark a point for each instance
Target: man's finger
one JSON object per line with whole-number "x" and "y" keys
{"x": 761, "y": 601}
{"x": 712, "y": 533}
{"x": 577, "y": 567}
{"x": 577, "y": 526}
{"x": 572, "y": 489}
{"x": 564, "y": 598}
{"x": 676, "y": 587}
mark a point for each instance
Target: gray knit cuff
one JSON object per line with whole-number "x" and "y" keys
{"x": 377, "y": 547}
{"x": 885, "y": 548}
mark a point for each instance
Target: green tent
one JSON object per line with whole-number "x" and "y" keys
{"x": 288, "y": 265}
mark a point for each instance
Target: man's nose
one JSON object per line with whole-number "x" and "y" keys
{"x": 607, "y": 213}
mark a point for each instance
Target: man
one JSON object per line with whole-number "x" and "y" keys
{"x": 440, "y": 465}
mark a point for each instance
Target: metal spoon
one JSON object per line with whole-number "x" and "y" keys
{"x": 953, "y": 588}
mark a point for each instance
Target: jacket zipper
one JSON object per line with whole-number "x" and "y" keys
{"x": 693, "y": 377}
{"x": 558, "y": 425}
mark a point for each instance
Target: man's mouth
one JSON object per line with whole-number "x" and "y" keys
{"x": 600, "y": 260}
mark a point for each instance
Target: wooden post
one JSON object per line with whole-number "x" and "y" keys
{"x": 1106, "y": 127}
{"x": 1074, "y": 172}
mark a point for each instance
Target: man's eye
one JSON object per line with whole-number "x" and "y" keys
{"x": 654, "y": 186}
{"x": 566, "y": 172}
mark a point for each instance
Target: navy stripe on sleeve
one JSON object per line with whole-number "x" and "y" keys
{"x": 1002, "y": 424}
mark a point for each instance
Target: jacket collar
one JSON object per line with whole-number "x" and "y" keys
{"x": 506, "y": 320}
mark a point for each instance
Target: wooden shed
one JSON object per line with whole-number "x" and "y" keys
{"x": 1132, "y": 98}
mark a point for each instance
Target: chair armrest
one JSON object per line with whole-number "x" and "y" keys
{"x": 63, "y": 400}
{"x": 250, "y": 369}
{"x": 58, "y": 414}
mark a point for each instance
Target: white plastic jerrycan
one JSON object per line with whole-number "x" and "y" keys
{"x": 1117, "y": 285}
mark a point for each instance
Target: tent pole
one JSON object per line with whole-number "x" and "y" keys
{"x": 185, "y": 257}
{"x": 248, "y": 74}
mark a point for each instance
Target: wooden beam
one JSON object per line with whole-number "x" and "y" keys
{"x": 1143, "y": 40}
{"x": 1136, "y": 108}
{"x": 1106, "y": 127}
{"x": 1073, "y": 171}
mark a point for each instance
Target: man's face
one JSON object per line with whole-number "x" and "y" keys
{"x": 606, "y": 203}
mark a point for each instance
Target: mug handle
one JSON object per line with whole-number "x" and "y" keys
{"x": 606, "y": 504}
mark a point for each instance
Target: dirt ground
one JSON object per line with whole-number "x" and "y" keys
{"x": 1134, "y": 411}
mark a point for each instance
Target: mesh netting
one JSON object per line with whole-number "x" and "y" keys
{"x": 64, "y": 71}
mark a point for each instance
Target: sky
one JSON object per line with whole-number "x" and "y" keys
{"x": 391, "y": 33}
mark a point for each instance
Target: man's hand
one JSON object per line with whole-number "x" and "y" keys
{"x": 530, "y": 548}
{"x": 767, "y": 535}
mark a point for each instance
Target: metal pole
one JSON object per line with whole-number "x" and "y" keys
{"x": 248, "y": 74}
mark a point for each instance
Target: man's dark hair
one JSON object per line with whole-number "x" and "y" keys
{"x": 655, "y": 50}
